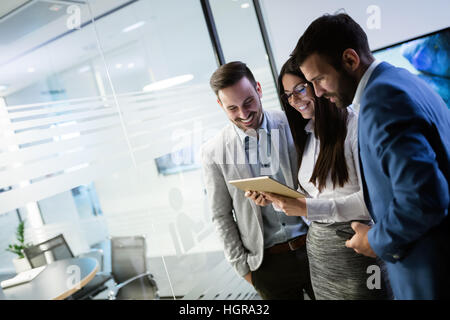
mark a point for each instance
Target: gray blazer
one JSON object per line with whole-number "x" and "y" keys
{"x": 242, "y": 234}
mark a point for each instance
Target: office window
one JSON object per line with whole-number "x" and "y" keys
{"x": 58, "y": 121}
{"x": 103, "y": 120}
{"x": 86, "y": 201}
{"x": 159, "y": 58}
{"x": 241, "y": 39}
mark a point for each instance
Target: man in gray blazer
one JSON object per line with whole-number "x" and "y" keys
{"x": 264, "y": 246}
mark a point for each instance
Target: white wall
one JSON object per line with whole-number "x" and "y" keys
{"x": 286, "y": 20}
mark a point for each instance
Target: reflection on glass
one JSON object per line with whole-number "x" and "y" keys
{"x": 77, "y": 116}
{"x": 8, "y": 224}
{"x": 86, "y": 201}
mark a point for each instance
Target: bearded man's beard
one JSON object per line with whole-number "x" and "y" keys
{"x": 346, "y": 89}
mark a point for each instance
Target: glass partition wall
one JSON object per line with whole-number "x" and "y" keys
{"x": 104, "y": 106}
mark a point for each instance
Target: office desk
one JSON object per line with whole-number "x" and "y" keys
{"x": 58, "y": 281}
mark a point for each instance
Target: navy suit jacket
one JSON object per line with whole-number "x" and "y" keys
{"x": 404, "y": 144}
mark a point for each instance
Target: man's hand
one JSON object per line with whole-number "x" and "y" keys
{"x": 248, "y": 277}
{"x": 290, "y": 206}
{"x": 258, "y": 198}
{"x": 359, "y": 241}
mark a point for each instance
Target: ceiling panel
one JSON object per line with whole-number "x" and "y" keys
{"x": 29, "y": 19}
{"x": 8, "y": 6}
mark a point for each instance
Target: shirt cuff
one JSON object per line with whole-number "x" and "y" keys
{"x": 319, "y": 209}
{"x": 276, "y": 208}
{"x": 242, "y": 269}
{"x": 387, "y": 252}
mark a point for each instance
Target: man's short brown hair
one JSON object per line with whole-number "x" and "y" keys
{"x": 229, "y": 74}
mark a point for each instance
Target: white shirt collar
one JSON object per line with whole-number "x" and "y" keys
{"x": 263, "y": 126}
{"x": 310, "y": 126}
{"x": 362, "y": 84}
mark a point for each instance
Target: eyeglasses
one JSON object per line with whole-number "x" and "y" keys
{"x": 299, "y": 92}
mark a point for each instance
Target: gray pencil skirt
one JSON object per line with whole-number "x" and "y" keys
{"x": 338, "y": 272}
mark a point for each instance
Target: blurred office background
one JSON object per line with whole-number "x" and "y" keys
{"x": 105, "y": 103}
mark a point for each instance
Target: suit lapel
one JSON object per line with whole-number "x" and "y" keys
{"x": 380, "y": 68}
{"x": 362, "y": 181}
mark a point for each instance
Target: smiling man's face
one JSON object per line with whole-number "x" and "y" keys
{"x": 242, "y": 104}
{"x": 337, "y": 86}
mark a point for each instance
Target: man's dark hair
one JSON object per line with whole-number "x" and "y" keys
{"x": 330, "y": 36}
{"x": 229, "y": 74}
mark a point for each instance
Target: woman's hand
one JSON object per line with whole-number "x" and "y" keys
{"x": 290, "y": 206}
{"x": 258, "y": 198}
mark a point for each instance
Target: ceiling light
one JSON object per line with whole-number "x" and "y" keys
{"x": 134, "y": 26}
{"x": 31, "y": 69}
{"x": 84, "y": 69}
{"x": 131, "y": 65}
{"x": 167, "y": 83}
{"x": 245, "y": 5}
{"x": 3, "y": 87}
{"x": 119, "y": 65}
{"x": 55, "y": 7}
{"x": 78, "y": 167}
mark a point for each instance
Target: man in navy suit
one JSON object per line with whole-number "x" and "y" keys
{"x": 404, "y": 148}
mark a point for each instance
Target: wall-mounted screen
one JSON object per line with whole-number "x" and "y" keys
{"x": 427, "y": 56}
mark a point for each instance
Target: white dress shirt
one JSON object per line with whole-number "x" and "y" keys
{"x": 362, "y": 85}
{"x": 339, "y": 204}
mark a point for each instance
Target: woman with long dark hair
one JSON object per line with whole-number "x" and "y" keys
{"x": 326, "y": 141}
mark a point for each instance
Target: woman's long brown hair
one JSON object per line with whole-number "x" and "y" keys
{"x": 330, "y": 127}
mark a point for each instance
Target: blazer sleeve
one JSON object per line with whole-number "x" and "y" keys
{"x": 221, "y": 205}
{"x": 420, "y": 192}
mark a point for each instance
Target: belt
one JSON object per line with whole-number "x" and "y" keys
{"x": 290, "y": 245}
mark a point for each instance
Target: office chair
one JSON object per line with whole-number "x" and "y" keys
{"x": 57, "y": 249}
{"x": 129, "y": 270}
{"x": 48, "y": 251}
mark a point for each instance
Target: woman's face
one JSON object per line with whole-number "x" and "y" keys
{"x": 302, "y": 101}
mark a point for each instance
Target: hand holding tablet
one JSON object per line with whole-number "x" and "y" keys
{"x": 266, "y": 184}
